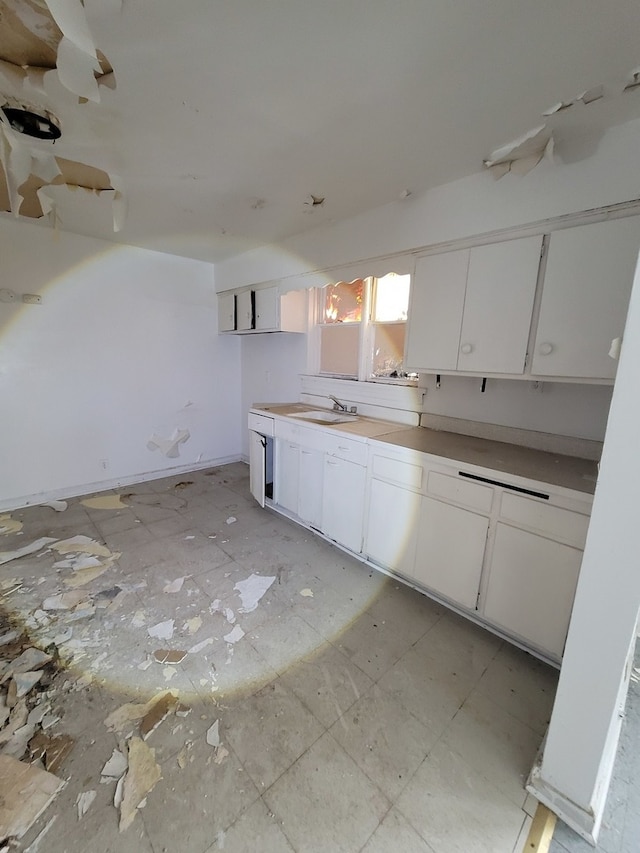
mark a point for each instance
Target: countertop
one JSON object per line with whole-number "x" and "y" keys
{"x": 568, "y": 472}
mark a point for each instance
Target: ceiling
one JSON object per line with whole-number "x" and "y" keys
{"x": 227, "y": 117}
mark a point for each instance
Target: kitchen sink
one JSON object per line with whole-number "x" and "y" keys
{"x": 322, "y": 416}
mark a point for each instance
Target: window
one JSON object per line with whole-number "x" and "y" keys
{"x": 360, "y": 328}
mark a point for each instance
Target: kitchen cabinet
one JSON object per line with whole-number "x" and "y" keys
{"x": 471, "y": 309}
{"x": 264, "y": 309}
{"x": 226, "y": 312}
{"x": 501, "y": 548}
{"x": 450, "y": 549}
{"x": 391, "y": 527}
{"x": 587, "y": 284}
{"x": 532, "y": 582}
{"x": 287, "y": 474}
{"x": 343, "y": 492}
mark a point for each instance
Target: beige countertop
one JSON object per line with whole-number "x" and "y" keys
{"x": 567, "y": 472}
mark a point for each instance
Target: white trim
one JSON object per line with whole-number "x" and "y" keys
{"x": 104, "y": 485}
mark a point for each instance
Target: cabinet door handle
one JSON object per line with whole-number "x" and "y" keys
{"x": 306, "y": 452}
{"x": 466, "y": 348}
{"x": 329, "y": 462}
{"x": 344, "y": 449}
{"x": 545, "y": 349}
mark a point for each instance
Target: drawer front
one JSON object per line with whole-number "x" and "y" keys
{"x": 555, "y": 522}
{"x": 472, "y": 495}
{"x": 406, "y": 474}
{"x": 345, "y": 448}
{"x": 261, "y": 424}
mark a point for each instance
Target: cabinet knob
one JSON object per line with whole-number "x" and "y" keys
{"x": 545, "y": 349}
{"x": 466, "y": 349}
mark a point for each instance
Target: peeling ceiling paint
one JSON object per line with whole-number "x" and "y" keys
{"x": 224, "y": 118}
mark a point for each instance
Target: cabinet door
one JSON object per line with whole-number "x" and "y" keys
{"x": 245, "y": 310}
{"x": 257, "y": 465}
{"x": 287, "y": 474}
{"x": 532, "y": 582}
{"x": 435, "y": 311}
{"x": 586, "y": 292}
{"x": 392, "y": 522}
{"x": 450, "y": 551}
{"x": 310, "y": 486}
{"x": 266, "y": 306}
{"x": 226, "y": 312}
{"x": 498, "y": 305}
{"x": 343, "y": 502}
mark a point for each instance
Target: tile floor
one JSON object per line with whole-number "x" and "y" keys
{"x": 357, "y": 714}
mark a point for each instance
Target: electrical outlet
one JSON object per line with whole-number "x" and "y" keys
{"x": 32, "y": 299}
{"x": 7, "y": 295}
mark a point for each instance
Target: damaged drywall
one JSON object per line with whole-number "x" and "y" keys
{"x": 40, "y": 39}
{"x": 524, "y": 153}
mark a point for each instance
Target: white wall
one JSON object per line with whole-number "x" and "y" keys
{"x": 124, "y": 339}
{"x": 271, "y": 368}
{"x": 566, "y": 409}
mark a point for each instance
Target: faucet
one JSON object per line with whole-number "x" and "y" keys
{"x": 337, "y": 405}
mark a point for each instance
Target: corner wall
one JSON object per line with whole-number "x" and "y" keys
{"x": 124, "y": 345}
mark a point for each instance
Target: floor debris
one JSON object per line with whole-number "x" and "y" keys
{"x": 115, "y": 767}
{"x": 162, "y": 631}
{"x": 131, "y": 712}
{"x": 141, "y": 777}
{"x": 105, "y": 502}
{"x": 54, "y": 750}
{"x": 35, "y": 847}
{"x": 159, "y": 712}
{"x": 251, "y": 591}
{"x": 37, "y": 545}
{"x": 25, "y": 792}
{"x": 193, "y": 625}
{"x": 306, "y": 593}
{"x": 8, "y": 524}
{"x": 172, "y": 656}
{"x": 175, "y": 586}
{"x": 232, "y": 519}
{"x": 83, "y": 802}
{"x": 213, "y": 734}
{"x": 81, "y": 544}
{"x": 233, "y": 636}
{"x": 201, "y": 645}
{"x": 59, "y": 506}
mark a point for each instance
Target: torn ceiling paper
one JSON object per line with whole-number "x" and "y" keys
{"x": 523, "y": 154}
{"x": 169, "y": 447}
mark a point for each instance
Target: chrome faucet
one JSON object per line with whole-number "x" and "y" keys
{"x": 337, "y": 405}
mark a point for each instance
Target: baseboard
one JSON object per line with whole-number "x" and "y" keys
{"x": 104, "y": 485}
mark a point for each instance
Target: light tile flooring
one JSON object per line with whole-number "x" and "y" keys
{"x": 357, "y": 714}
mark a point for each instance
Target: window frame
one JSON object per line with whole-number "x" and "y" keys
{"x": 366, "y": 340}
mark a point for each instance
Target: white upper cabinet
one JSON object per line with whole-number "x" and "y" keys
{"x": 435, "y": 311}
{"x": 585, "y": 296}
{"x": 226, "y": 312}
{"x": 262, "y": 309}
{"x": 471, "y": 309}
{"x": 501, "y": 287}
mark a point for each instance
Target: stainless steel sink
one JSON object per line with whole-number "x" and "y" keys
{"x": 322, "y": 416}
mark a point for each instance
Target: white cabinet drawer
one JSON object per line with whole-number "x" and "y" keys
{"x": 345, "y": 448}
{"x": 560, "y": 524}
{"x": 472, "y": 495}
{"x": 406, "y": 474}
{"x": 261, "y": 424}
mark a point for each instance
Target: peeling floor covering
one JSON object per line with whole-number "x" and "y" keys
{"x": 354, "y": 714}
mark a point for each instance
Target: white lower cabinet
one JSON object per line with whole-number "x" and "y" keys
{"x": 343, "y": 491}
{"x": 532, "y": 582}
{"x": 287, "y": 474}
{"x": 310, "y": 486}
{"x": 392, "y": 522}
{"x": 450, "y": 550}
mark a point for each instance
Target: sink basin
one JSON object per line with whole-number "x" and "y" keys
{"x": 322, "y": 416}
